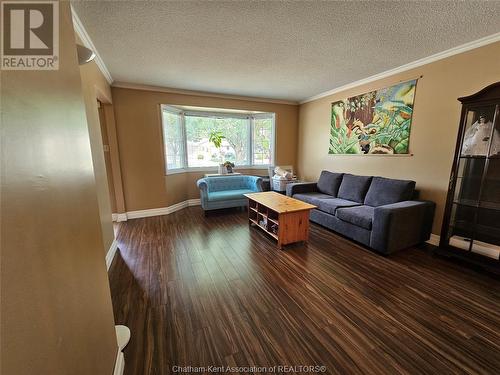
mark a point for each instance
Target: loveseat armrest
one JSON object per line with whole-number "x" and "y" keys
{"x": 203, "y": 186}
{"x": 301, "y": 187}
{"x": 400, "y": 225}
{"x": 254, "y": 183}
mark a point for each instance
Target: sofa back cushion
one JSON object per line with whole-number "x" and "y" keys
{"x": 354, "y": 188}
{"x": 329, "y": 183}
{"x": 227, "y": 183}
{"x": 387, "y": 190}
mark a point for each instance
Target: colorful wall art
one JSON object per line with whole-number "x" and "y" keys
{"x": 378, "y": 122}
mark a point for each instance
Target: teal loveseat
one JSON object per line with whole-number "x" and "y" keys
{"x": 227, "y": 191}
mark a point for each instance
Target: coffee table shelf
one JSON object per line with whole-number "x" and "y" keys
{"x": 264, "y": 228}
{"x": 283, "y": 218}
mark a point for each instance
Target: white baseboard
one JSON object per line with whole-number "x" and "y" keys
{"x": 157, "y": 211}
{"x": 119, "y": 364}
{"x": 434, "y": 240}
{"x": 119, "y": 217}
{"x": 111, "y": 253}
{"x": 194, "y": 202}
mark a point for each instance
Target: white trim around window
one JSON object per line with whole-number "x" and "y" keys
{"x": 183, "y": 159}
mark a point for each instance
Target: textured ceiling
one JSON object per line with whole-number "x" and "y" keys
{"x": 282, "y": 50}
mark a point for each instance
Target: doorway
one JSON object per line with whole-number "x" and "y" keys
{"x": 107, "y": 156}
{"x": 112, "y": 160}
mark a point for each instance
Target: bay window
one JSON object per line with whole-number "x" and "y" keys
{"x": 247, "y": 138}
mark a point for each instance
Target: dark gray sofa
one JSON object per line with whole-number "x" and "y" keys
{"x": 375, "y": 211}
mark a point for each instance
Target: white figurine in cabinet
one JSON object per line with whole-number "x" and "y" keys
{"x": 477, "y": 139}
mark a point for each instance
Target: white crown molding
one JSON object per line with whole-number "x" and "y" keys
{"x": 415, "y": 64}
{"x": 84, "y": 36}
{"x": 111, "y": 253}
{"x": 136, "y": 86}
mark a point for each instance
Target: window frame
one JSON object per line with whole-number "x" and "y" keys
{"x": 202, "y": 113}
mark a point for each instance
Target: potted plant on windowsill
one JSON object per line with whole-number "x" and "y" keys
{"x": 216, "y": 138}
{"x": 229, "y": 166}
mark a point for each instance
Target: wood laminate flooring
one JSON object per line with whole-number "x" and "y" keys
{"x": 211, "y": 291}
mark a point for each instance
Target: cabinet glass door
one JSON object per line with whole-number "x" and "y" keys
{"x": 471, "y": 171}
{"x": 494, "y": 151}
{"x": 478, "y": 131}
{"x": 488, "y": 218}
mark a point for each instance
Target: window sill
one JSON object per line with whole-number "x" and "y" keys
{"x": 215, "y": 169}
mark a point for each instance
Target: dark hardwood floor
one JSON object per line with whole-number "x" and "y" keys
{"x": 199, "y": 291}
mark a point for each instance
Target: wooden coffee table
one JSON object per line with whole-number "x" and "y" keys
{"x": 284, "y": 218}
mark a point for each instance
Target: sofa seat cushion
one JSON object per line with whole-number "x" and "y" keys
{"x": 354, "y": 188}
{"x": 330, "y": 205}
{"x": 329, "y": 183}
{"x": 384, "y": 191}
{"x": 362, "y": 216}
{"x": 225, "y": 195}
{"x": 311, "y": 198}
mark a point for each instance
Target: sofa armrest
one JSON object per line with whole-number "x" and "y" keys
{"x": 301, "y": 187}
{"x": 254, "y": 183}
{"x": 400, "y": 225}
{"x": 203, "y": 186}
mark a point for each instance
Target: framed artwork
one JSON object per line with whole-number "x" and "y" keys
{"x": 378, "y": 122}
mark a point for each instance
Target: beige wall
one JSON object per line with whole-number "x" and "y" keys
{"x": 434, "y": 129}
{"x": 56, "y": 313}
{"x": 95, "y": 86}
{"x": 139, "y": 131}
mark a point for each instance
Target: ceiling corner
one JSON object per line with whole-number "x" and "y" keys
{"x": 84, "y": 36}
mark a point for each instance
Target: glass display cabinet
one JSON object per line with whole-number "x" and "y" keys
{"x": 471, "y": 224}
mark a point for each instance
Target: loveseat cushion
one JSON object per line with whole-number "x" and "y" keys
{"x": 354, "y": 188}
{"x": 224, "y": 183}
{"x": 329, "y": 182}
{"x": 384, "y": 191}
{"x": 225, "y": 195}
{"x": 361, "y": 216}
{"x": 330, "y": 205}
{"x": 311, "y": 198}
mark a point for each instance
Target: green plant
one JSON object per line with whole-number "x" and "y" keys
{"x": 393, "y": 127}
{"x": 227, "y": 163}
{"x": 216, "y": 138}
{"x": 342, "y": 139}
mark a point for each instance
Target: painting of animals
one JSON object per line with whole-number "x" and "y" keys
{"x": 378, "y": 122}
